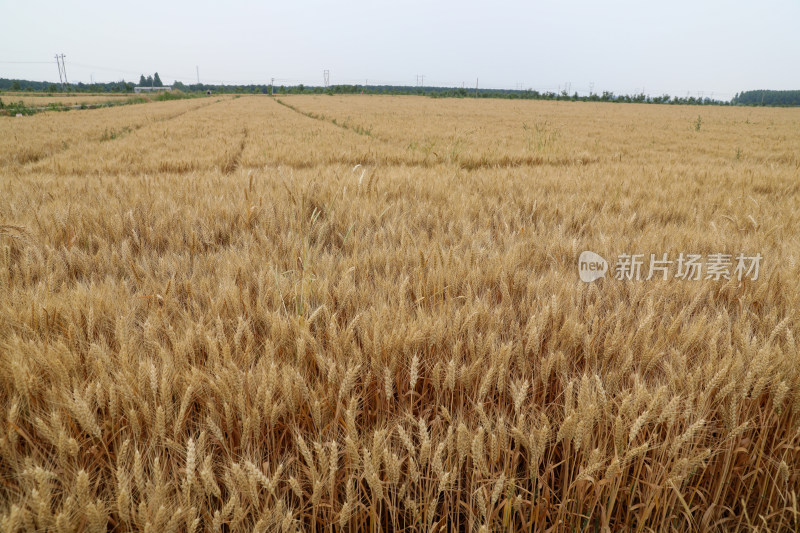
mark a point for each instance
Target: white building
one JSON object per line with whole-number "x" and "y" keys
{"x": 151, "y": 89}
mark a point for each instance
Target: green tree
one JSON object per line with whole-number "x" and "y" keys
{"x": 157, "y": 81}
{"x": 142, "y": 81}
{"x": 15, "y": 86}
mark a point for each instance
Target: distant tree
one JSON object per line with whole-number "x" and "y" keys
{"x": 15, "y": 86}
{"x": 149, "y": 81}
{"x": 157, "y": 81}
{"x": 766, "y": 97}
{"x": 52, "y": 88}
{"x": 142, "y": 81}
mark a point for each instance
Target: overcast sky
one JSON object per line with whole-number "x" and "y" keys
{"x": 718, "y": 47}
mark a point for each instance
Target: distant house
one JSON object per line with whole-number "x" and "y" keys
{"x": 151, "y": 89}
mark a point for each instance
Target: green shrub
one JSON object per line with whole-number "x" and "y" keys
{"x": 173, "y": 95}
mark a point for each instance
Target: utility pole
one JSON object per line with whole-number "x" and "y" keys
{"x": 198, "y": 74}
{"x": 272, "y": 87}
{"x": 326, "y": 76}
{"x": 476, "y": 87}
{"x": 64, "y": 68}
{"x": 62, "y": 72}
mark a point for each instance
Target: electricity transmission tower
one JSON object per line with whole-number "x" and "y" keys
{"x": 420, "y": 80}
{"x": 62, "y": 72}
{"x": 326, "y": 75}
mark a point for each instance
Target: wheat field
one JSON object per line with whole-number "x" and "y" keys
{"x": 364, "y": 313}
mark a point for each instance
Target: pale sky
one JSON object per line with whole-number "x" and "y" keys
{"x": 713, "y": 47}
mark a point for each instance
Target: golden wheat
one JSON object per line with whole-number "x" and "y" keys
{"x": 352, "y": 313}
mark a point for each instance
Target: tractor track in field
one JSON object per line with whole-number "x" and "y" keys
{"x": 233, "y": 160}
{"x": 345, "y": 126}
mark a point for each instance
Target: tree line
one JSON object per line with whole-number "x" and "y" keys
{"x": 750, "y": 98}
{"x": 768, "y": 98}
{"x": 150, "y": 81}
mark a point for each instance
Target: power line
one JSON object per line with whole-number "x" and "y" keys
{"x": 136, "y": 73}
